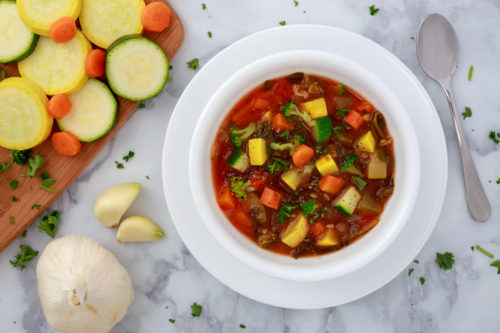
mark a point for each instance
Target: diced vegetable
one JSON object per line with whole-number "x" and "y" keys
{"x": 258, "y": 179}
{"x": 282, "y": 146}
{"x": 326, "y": 165}
{"x": 292, "y": 178}
{"x": 257, "y": 151}
{"x": 226, "y": 198}
{"x": 279, "y": 123}
{"x": 317, "y": 229}
{"x": 322, "y": 129}
{"x": 155, "y": 17}
{"x": 63, "y": 29}
{"x": 354, "y": 119}
{"x": 316, "y": 108}
{"x": 376, "y": 169}
{"x": 302, "y": 155}
{"x": 296, "y": 231}
{"x": 369, "y": 205}
{"x": 66, "y": 143}
{"x": 359, "y": 182}
{"x": 331, "y": 184}
{"x": 366, "y": 142}
{"x": 329, "y": 238}
{"x": 348, "y": 201}
{"x": 261, "y": 103}
{"x": 238, "y": 160}
{"x": 291, "y": 110}
{"x": 240, "y": 135}
{"x": 270, "y": 198}
{"x": 364, "y": 106}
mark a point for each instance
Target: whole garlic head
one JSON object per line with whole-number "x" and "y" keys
{"x": 82, "y": 286}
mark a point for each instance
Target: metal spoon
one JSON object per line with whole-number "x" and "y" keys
{"x": 437, "y": 50}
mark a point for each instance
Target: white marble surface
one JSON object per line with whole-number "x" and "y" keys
{"x": 464, "y": 299}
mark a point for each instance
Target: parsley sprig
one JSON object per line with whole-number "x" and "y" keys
{"x": 445, "y": 260}
{"x": 373, "y": 10}
{"x": 49, "y": 223}
{"x": 196, "y": 310}
{"x": 27, "y": 253}
{"x": 193, "y": 64}
{"x": 34, "y": 164}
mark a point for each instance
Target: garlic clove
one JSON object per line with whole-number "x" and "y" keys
{"x": 114, "y": 202}
{"x": 138, "y": 229}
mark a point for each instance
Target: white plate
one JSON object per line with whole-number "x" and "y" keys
{"x": 224, "y": 266}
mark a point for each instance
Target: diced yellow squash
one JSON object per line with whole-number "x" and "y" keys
{"x": 316, "y": 108}
{"x": 296, "y": 231}
{"x": 292, "y": 178}
{"x": 257, "y": 151}
{"x": 267, "y": 116}
{"x": 376, "y": 169}
{"x": 328, "y": 238}
{"x": 366, "y": 142}
{"x": 326, "y": 165}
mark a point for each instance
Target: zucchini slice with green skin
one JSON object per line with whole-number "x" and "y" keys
{"x": 38, "y": 15}
{"x": 16, "y": 40}
{"x": 93, "y": 112}
{"x": 103, "y": 22}
{"x": 57, "y": 68}
{"x": 348, "y": 201}
{"x": 136, "y": 68}
{"x": 322, "y": 129}
{"x": 24, "y": 121}
{"x": 239, "y": 160}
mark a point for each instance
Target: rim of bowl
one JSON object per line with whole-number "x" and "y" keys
{"x": 392, "y": 219}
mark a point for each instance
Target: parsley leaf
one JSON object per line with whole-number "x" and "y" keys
{"x": 4, "y": 166}
{"x": 467, "y": 113}
{"x": 349, "y": 162}
{"x": 300, "y": 139}
{"x": 241, "y": 325}
{"x": 493, "y": 136}
{"x": 193, "y": 64}
{"x": 342, "y": 112}
{"x": 445, "y": 260}
{"x": 278, "y": 165}
{"x": 196, "y": 310}
{"x": 496, "y": 264}
{"x": 11, "y": 220}
{"x": 285, "y": 135}
{"x": 141, "y": 105}
{"x": 282, "y": 22}
{"x": 27, "y": 253}
{"x": 20, "y": 157}
{"x": 129, "y": 156}
{"x": 49, "y": 223}
{"x": 209, "y": 34}
{"x": 47, "y": 182}
{"x": 308, "y": 207}
{"x": 171, "y": 320}
{"x": 36, "y": 206}
{"x": 14, "y": 199}
{"x": 340, "y": 128}
{"x": 471, "y": 69}
{"x": 34, "y": 164}
{"x": 416, "y": 261}
{"x": 119, "y": 165}
{"x": 23, "y": 235}
{"x": 410, "y": 271}
{"x": 360, "y": 183}
{"x": 203, "y": 6}
{"x": 498, "y": 181}
{"x": 422, "y": 280}
{"x": 373, "y": 10}
{"x": 483, "y": 251}
{"x": 296, "y": 3}
{"x": 285, "y": 212}
{"x": 14, "y": 184}
{"x": 412, "y": 38}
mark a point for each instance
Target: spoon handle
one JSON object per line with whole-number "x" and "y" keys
{"x": 477, "y": 201}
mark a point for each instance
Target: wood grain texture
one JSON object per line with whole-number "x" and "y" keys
{"x": 63, "y": 169}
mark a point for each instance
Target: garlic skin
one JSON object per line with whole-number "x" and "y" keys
{"x": 82, "y": 286}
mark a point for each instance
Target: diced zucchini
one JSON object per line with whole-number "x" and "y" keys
{"x": 328, "y": 238}
{"x": 348, "y": 201}
{"x": 292, "y": 178}
{"x": 316, "y": 108}
{"x": 326, "y": 165}
{"x": 322, "y": 129}
{"x": 238, "y": 160}
{"x": 369, "y": 205}
{"x": 376, "y": 169}
{"x": 366, "y": 142}
{"x": 296, "y": 231}
{"x": 257, "y": 151}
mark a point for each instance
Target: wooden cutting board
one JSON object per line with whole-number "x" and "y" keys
{"x": 63, "y": 169}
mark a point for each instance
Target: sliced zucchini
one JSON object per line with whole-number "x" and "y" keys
{"x": 93, "y": 112}
{"x": 328, "y": 238}
{"x": 103, "y": 22}
{"x": 16, "y": 40}
{"x": 57, "y": 68}
{"x": 348, "y": 201}
{"x": 38, "y": 15}
{"x": 239, "y": 160}
{"x": 322, "y": 129}
{"x": 296, "y": 231}
{"x": 24, "y": 121}
{"x": 136, "y": 68}
{"x": 326, "y": 165}
{"x": 292, "y": 178}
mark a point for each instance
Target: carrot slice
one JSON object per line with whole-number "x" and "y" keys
{"x": 279, "y": 123}
{"x": 317, "y": 229}
{"x": 59, "y": 106}
{"x": 331, "y": 184}
{"x": 226, "y": 198}
{"x": 270, "y": 198}
{"x": 155, "y": 17}
{"x": 95, "y": 63}
{"x": 63, "y": 29}
{"x": 302, "y": 155}
{"x": 354, "y": 119}
{"x": 66, "y": 143}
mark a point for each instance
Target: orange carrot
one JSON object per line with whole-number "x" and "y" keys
{"x": 331, "y": 184}
{"x": 226, "y": 199}
{"x": 59, "y": 106}
{"x": 270, "y": 198}
{"x": 279, "y": 123}
{"x": 155, "y": 17}
{"x": 95, "y": 63}
{"x": 302, "y": 155}
{"x": 66, "y": 143}
{"x": 63, "y": 29}
{"x": 317, "y": 229}
{"x": 354, "y": 119}
{"x": 261, "y": 103}
{"x": 364, "y": 106}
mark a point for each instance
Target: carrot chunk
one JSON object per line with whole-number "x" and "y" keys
{"x": 317, "y": 229}
{"x": 279, "y": 123}
{"x": 95, "y": 63}
{"x": 354, "y": 119}
{"x": 302, "y": 155}
{"x": 63, "y": 29}
{"x": 261, "y": 103}
{"x": 364, "y": 106}
{"x": 331, "y": 184}
{"x": 155, "y": 17}
{"x": 59, "y": 106}
{"x": 66, "y": 143}
{"x": 226, "y": 198}
{"x": 270, "y": 198}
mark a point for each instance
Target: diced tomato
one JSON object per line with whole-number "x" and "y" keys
{"x": 364, "y": 106}
{"x": 259, "y": 179}
{"x": 302, "y": 155}
{"x": 241, "y": 218}
{"x": 270, "y": 198}
{"x": 317, "y": 229}
{"x": 331, "y": 184}
{"x": 283, "y": 91}
{"x": 261, "y": 103}
{"x": 226, "y": 199}
{"x": 354, "y": 119}
{"x": 279, "y": 123}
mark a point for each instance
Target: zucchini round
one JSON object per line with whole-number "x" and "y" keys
{"x": 38, "y": 15}
{"x": 16, "y": 40}
{"x": 57, "y": 68}
{"x": 136, "y": 68}
{"x": 24, "y": 122}
{"x": 93, "y": 112}
{"x": 103, "y": 22}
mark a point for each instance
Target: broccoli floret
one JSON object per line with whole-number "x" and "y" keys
{"x": 21, "y": 156}
{"x": 239, "y": 187}
{"x": 240, "y": 135}
{"x": 291, "y": 109}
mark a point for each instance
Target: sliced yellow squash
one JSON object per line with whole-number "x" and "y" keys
{"x": 103, "y": 22}
{"x": 38, "y": 15}
{"x": 24, "y": 122}
{"x": 57, "y": 68}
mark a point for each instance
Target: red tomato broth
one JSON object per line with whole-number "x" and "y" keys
{"x": 339, "y": 145}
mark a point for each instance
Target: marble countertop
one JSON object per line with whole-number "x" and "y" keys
{"x": 168, "y": 279}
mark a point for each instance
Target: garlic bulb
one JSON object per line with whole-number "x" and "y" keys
{"x": 82, "y": 286}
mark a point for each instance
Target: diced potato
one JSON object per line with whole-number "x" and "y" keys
{"x": 328, "y": 238}
{"x": 296, "y": 231}
{"x": 366, "y": 142}
{"x": 316, "y": 108}
{"x": 292, "y": 178}
{"x": 376, "y": 169}
{"x": 257, "y": 151}
{"x": 326, "y": 165}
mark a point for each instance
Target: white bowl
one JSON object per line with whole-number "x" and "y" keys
{"x": 396, "y": 212}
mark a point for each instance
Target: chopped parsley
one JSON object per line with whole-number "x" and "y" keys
{"x": 34, "y": 164}
{"x": 278, "y": 165}
{"x": 360, "y": 183}
{"x": 496, "y": 264}
{"x": 196, "y": 310}
{"x": 300, "y": 138}
{"x": 412, "y": 38}
{"x": 282, "y": 22}
{"x": 416, "y": 261}
{"x": 14, "y": 184}
{"x": 498, "y": 181}
{"x": 241, "y": 325}
{"x": 171, "y": 320}
{"x": 422, "y": 280}
{"x": 445, "y": 260}
{"x": 37, "y": 207}
{"x": 20, "y": 157}
{"x": 4, "y": 166}
{"x": 23, "y": 235}
{"x": 483, "y": 251}
{"x": 27, "y": 253}
{"x": 119, "y": 165}
{"x": 373, "y": 10}
{"x": 342, "y": 112}
{"x": 203, "y": 6}
{"x": 467, "y": 113}
{"x": 285, "y": 212}
{"x": 15, "y": 199}
{"x": 128, "y": 156}
{"x": 47, "y": 182}
{"x": 209, "y": 33}
{"x": 147, "y": 177}
{"x": 410, "y": 271}
{"x": 11, "y": 220}
{"x": 308, "y": 207}
{"x": 239, "y": 187}
{"x": 471, "y": 69}
{"x": 349, "y": 162}
{"x": 49, "y": 223}
{"x": 193, "y": 64}
{"x": 141, "y": 105}
{"x": 285, "y": 135}
{"x": 339, "y": 129}
{"x": 493, "y": 136}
